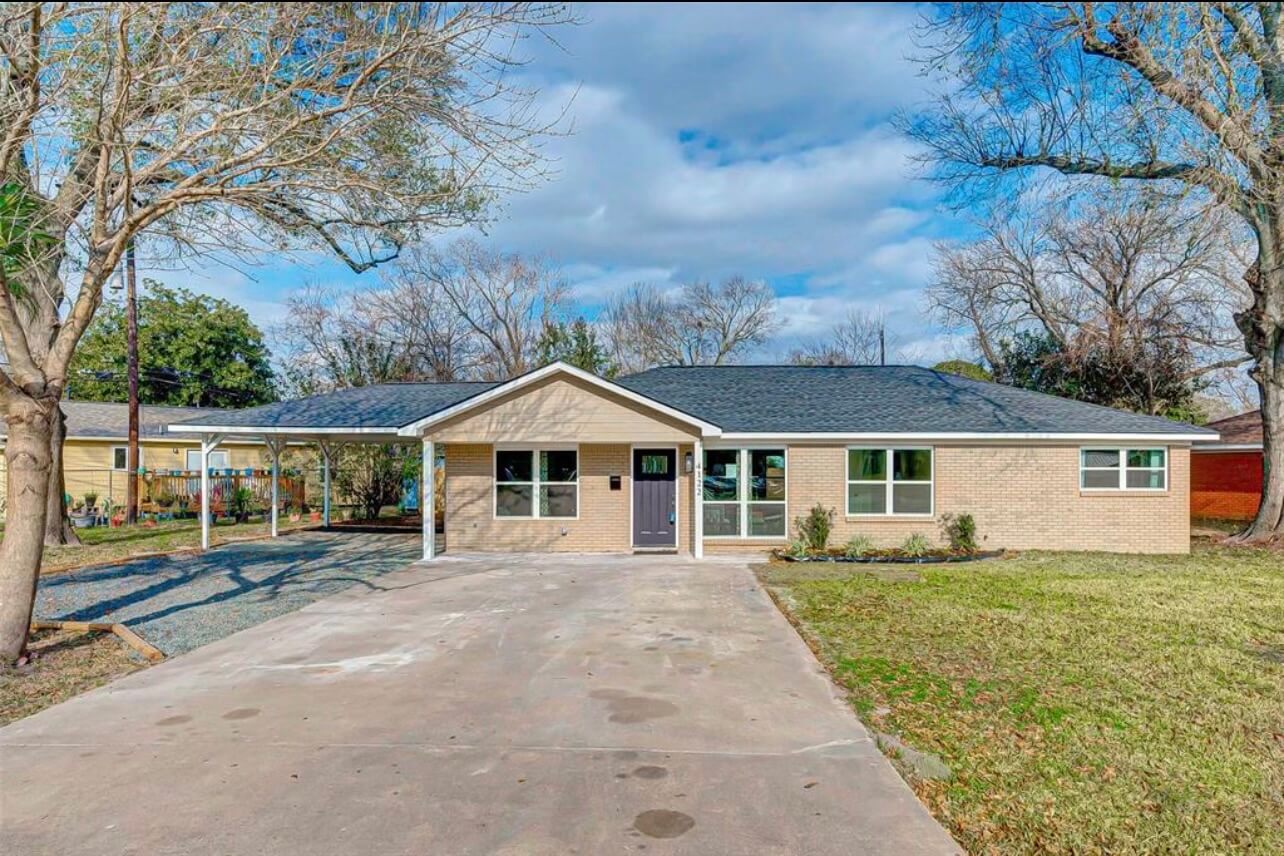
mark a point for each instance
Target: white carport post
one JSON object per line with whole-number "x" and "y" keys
{"x": 275, "y": 446}
{"x": 427, "y": 499}
{"x": 697, "y": 505}
{"x": 325, "y": 484}
{"x": 209, "y": 442}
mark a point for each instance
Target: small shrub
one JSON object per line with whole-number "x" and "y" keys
{"x": 815, "y": 527}
{"x": 857, "y": 545}
{"x": 916, "y": 545}
{"x": 242, "y": 498}
{"x": 797, "y": 549}
{"x": 960, "y": 529}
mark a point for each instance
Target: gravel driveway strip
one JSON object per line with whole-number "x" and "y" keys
{"x": 182, "y": 602}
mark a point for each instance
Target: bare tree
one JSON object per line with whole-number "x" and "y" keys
{"x": 860, "y": 339}
{"x": 1186, "y": 94}
{"x": 504, "y": 299}
{"x": 1094, "y": 275}
{"x": 703, "y": 324}
{"x": 246, "y": 126}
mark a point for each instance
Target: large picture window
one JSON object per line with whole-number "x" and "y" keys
{"x": 744, "y": 493}
{"x": 537, "y": 483}
{"x": 882, "y": 482}
{"x": 1123, "y": 469}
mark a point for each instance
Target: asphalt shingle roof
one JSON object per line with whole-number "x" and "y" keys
{"x": 110, "y": 420}
{"x": 389, "y": 405}
{"x": 1242, "y": 429}
{"x": 876, "y": 399}
{"x": 757, "y": 399}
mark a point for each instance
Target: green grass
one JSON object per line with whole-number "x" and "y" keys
{"x": 1084, "y": 702}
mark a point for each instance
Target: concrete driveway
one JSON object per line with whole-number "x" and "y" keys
{"x": 521, "y": 705}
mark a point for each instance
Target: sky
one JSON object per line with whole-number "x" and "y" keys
{"x": 704, "y": 141}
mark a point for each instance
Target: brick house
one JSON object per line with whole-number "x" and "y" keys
{"x": 1226, "y": 476}
{"x": 723, "y": 458}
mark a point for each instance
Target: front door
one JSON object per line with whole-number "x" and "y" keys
{"x": 655, "y": 495}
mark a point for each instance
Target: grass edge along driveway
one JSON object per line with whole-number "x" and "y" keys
{"x": 1083, "y": 702}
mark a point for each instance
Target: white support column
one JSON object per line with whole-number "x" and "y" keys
{"x": 325, "y": 484}
{"x": 275, "y": 446}
{"x": 427, "y": 499}
{"x": 209, "y": 442}
{"x": 697, "y": 505}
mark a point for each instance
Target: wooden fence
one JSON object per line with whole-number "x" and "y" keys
{"x": 180, "y": 492}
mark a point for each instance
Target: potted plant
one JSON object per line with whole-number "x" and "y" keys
{"x": 314, "y": 514}
{"x": 242, "y": 497}
{"x": 292, "y": 513}
{"x": 82, "y": 517}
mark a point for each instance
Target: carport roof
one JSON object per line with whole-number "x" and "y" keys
{"x": 735, "y": 402}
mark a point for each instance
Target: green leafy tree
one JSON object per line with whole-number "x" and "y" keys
{"x": 577, "y": 344}
{"x": 964, "y": 368}
{"x": 193, "y": 350}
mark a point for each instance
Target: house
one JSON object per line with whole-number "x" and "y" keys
{"x": 1226, "y": 476}
{"x": 559, "y": 459}
{"x": 98, "y": 434}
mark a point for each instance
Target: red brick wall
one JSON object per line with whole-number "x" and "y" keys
{"x": 1225, "y": 485}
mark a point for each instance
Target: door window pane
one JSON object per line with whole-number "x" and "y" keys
{"x": 655, "y": 465}
{"x": 866, "y": 499}
{"x": 866, "y": 465}
{"x": 911, "y": 499}
{"x": 722, "y": 518}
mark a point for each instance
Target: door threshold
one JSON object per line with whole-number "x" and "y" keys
{"x": 660, "y": 551}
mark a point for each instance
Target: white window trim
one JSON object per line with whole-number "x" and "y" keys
{"x": 1123, "y": 469}
{"x": 889, "y": 482}
{"x": 743, "y": 488}
{"x": 535, "y": 482}
{"x": 141, "y": 457}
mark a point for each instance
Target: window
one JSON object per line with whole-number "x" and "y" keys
{"x": 218, "y": 460}
{"x": 1123, "y": 469}
{"x": 884, "y": 482}
{"x": 537, "y": 483}
{"x": 744, "y": 493}
{"x": 120, "y": 459}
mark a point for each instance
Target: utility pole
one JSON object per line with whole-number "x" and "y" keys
{"x": 131, "y": 334}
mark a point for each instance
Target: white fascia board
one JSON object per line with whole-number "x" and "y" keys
{"x": 415, "y": 429}
{"x": 273, "y": 429}
{"x": 1230, "y": 447}
{"x": 946, "y": 436}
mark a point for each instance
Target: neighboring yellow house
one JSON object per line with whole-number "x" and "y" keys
{"x": 97, "y": 433}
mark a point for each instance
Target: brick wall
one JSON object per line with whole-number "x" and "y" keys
{"x": 1024, "y": 497}
{"x": 1225, "y": 485}
{"x": 603, "y": 524}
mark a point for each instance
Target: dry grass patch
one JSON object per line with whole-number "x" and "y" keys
{"x": 63, "y": 664}
{"x": 1084, "y": 702}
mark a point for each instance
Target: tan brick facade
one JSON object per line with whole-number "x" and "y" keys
{"x": 603, "y": 525}
{"x": 1022, "y": 497}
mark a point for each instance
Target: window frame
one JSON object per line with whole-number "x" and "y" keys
{"x": 142, "y": 457}
{"x": 535, "y": 482}
{"x": 187, "y": 453}
{"x": 1123, "y": 469}
{"x": 744, "y": 489}
{"x": 889, "y": 482}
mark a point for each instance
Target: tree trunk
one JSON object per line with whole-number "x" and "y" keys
{"x": 58, "y": 529}
{"x": 1263, "y": 329}
{"x": 27, "y": 459}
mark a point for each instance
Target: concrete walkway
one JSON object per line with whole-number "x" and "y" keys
{"x": 524, "y": 705}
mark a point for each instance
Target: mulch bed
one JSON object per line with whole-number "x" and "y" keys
{"x": 895, "y": 557}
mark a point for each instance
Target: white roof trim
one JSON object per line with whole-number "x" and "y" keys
{"x": 707, "y": 429}
{"x": 273, "y": 429}
{"x": 970, "y": 435}
{"x": 1231, "y": 447}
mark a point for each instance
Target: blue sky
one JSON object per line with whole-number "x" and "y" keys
{"x": 711, "y": 140}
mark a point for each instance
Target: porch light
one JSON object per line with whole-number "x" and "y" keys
{"x": 688, "y": 463}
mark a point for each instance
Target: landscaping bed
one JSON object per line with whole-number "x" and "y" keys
{"x": 1077, "y": 702}
{"x": 891, "y": 557}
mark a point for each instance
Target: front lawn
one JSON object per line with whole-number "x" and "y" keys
{"x": 1083, "y": 702}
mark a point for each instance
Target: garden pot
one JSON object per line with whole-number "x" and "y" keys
{"x": 314, "y": 516}
{"x": 295, "y": 518}
{"x": 82, "y": 521}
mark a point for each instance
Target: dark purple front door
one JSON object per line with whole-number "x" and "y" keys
{"x": 655, "y": 494}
